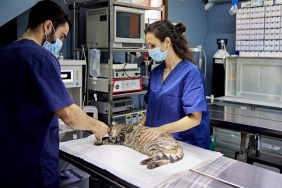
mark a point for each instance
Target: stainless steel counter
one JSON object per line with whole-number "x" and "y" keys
{"x": 250, "y": 102}
{"x": 245, "y": 112}
{"x": 263, "y": 123}
{"x": 258, "y": 123}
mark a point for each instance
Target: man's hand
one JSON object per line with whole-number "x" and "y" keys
{"x": 100, "y": 129}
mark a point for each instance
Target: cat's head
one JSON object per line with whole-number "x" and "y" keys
{"x": 118, "y": 132}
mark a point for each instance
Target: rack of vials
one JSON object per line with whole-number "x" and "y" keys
{"x": 258, "y": 31}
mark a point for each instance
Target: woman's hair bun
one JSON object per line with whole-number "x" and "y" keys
{"x": 180, "y": 28}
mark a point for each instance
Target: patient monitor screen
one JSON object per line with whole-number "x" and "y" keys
{"x": 127, "y": 25}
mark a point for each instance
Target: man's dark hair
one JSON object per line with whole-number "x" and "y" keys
{"x": 47, "y": 10}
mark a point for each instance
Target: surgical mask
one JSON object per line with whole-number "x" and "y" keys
{"x": 157, "y": 55}
{"x": 53, "y": 47}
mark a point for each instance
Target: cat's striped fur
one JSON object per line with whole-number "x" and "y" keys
{"x": 163, "y": 150}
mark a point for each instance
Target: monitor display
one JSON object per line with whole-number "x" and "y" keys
{"x": 127, "y": 25}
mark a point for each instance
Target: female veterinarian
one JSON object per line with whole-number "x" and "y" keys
{"x": 176, "y": 91}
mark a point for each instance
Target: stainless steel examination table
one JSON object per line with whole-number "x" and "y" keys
{"x": 221, "y": 172}
{"x": 217, "y": 172}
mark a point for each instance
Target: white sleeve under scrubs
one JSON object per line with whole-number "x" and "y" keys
{"x": 180, "y": 94}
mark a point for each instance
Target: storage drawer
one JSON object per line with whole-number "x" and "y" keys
{"x": 271, "y": 146}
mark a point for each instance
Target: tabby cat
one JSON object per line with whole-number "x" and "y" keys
{"x": 163, "y": 150}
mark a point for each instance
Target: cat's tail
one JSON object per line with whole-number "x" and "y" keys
{"x": 174, "y": 157}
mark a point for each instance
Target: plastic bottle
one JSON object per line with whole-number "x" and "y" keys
{"x": 61, "y": 56}
{"x": 213, "y": 146}
{"x": 94, "y": 62}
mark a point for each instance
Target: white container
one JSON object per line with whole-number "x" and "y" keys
{"x": 254, "y": 78}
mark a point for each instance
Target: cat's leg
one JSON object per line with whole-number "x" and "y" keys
{"x": 153, "y": 158}
{"x": 146, "y": 161}
{"x": 104, "y": 141}
{"x": 154, "y": 164}
{"x": 157, "y": 160}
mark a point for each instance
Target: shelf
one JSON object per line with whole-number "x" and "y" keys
{"x": 130, "y": 49}
{"x": 138, "y": 6}
{"x": 122, "y": 113}
{"x": 246, "y": 57}
{"x": 89, "y": 3}
{"x": 107, "y": 91}
{"x": 125, "y": 50}
{"x": 143, "y": 92}
{"x": 86, "y": 3}
{"x": 115, "y": 49}
{"x": 102, "y": 94}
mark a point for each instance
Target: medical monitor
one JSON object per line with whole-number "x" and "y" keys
{"x": 128, "y": 27}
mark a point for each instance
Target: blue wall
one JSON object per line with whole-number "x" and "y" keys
{"x": 193, "y": 15}
{"x": 204, "y": 27}
{"x": 12, "y": 8}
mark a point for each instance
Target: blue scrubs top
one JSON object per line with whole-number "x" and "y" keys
{"x": 180, "y": 94}
{"x": 31, "y": 91}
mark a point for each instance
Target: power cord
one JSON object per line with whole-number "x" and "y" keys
{"x": 124, "y": 70}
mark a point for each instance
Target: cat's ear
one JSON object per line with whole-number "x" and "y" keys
{"x": 114, "y": 123}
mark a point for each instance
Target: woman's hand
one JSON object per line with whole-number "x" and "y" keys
{"x": 150, "y": 134}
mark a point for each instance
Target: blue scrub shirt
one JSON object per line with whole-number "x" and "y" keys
{"x": 31, "y": 91}
{"x": 180, "y": 94}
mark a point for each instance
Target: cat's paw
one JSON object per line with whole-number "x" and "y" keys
{"x": 145, "y": 162}
{"x": 152, "y": 165}
{"x": 105, "y": 140}
{"x": 98, "y": 142}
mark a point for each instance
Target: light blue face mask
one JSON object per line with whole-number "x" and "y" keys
{"x": 157, "y": 55}
{"x": 53, "y": 47}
